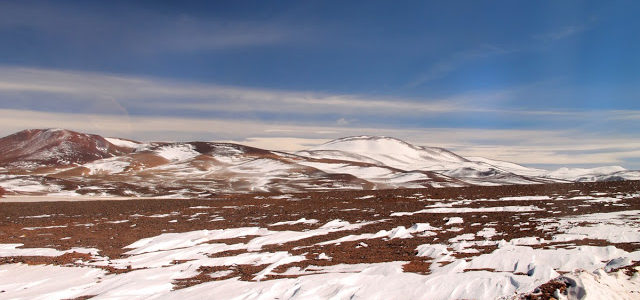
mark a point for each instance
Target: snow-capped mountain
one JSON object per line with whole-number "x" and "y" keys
{"x": 387, "y": 151}
{"x": 62, "y": 161}
{"x": 509, "y": 166}
{"x": 398, "y": 154}
{"x": 610, "y": 173}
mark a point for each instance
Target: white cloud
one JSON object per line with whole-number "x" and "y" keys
{"x": 99, "y": 103}
{"x": 139, "y": 30}
{"x": 343, "y": 122}
{"x": 149, "y": 93}
{"x": 562, "y": 33}
{"x": 75, "y": 90}
{"x": 549, "y": 147}
{"x": 457, "y": 60}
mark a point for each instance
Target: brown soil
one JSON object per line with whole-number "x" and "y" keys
{"x": 111, "y": 225}
{"x": 417, "y": 266}
{"x": 630, "y": 269}
{"x": 205, "y": 276}
{"x": 546, "y": 291}
{"x": 65, "y": 259}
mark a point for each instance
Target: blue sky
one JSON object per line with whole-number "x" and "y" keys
{"x": 544, "y": 83}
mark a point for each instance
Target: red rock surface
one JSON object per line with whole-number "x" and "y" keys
{"x": 35, "y": 148}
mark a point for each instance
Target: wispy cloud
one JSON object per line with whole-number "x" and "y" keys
{"x": 567, "y": 31}
{"x": 188, "y": 34}
{"x": 153, "y": 109}
{"x": 172, "y": 95}
{"x": 561, "y": 33}
{"x": 448, "y": 65}
{"x": 444, "y": 67}
{"x": 532, "y": 147}
{"x": 85, "y": 92}
{"x": 138, "y": 30}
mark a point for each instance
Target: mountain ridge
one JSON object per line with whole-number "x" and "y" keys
{"x": 49, "y": 146}
{"x": 46, "y": 161}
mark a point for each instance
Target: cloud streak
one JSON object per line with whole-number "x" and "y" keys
{"x": 459, "y": 59}
{"x": 442, "y": 68}
{"x": 562, "y": 33}
{"x": 531, "y": 147}
{"x": 74, "y": 89}
{"x": 154, "y": 109}
{"x": 144, "y": 32}
{"x": 172, "y": 95}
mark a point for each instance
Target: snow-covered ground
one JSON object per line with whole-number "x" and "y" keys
{"x": 515, "y": 269}
{"x": 462, "y": 258}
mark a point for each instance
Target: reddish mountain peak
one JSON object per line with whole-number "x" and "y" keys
{"x": 35, "y": 148}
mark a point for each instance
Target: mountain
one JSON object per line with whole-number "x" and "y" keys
{"x": 387, "y": 151}
{"x": 509, "y": 166}
{"x": 399, "y": 154}
{"x": 39, "y": 148}
{"x": 203, "y": 168}
{"x": 193, "y": 169}
{"x": 63, "y": 162}
{"x": 610, "y": 173}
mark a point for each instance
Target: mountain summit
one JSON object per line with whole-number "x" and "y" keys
{"x": 54, "y": 147}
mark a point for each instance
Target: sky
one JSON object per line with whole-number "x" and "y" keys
{"x": 540, "y": 83}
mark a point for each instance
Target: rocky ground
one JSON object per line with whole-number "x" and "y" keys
{"x": 426, "y": 235}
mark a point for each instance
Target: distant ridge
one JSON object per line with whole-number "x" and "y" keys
{"x": 59, "y": 161}
{"x": 54, "y": 147}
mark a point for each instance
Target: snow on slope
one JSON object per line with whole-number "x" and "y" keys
{"x": 369, "y": 162}
{"x": 177, "y": 152}
{"x": 338, "y": 155}
{"x": 123, "y": 143}
{"x": 382, "y": 175}
{"x": 209, "y": 166}
{"x": 107, "y": 166}
{"x": 580, "y": 174}
{"x": 393, "y": 152}
{"x": 622, "y": 175}
{"x": 509, "y": 166}
{"x": 480, "y": 173}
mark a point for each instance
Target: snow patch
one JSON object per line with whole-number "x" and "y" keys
{"x": 299, "y": 221}
{"x": 469, "y": 210}
{"x": 177, "y": 152}
{"x": 123, "y": 143}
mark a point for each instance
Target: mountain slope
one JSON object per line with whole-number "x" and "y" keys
{"x": 387, "y": 151}
{"x": 509, "y": 166}
{"x": 63, "y": 162}
{"x": 390, "y": 152}
{"x": 609, "y": 173}
{"x": 231, "y": 168}
{"x": 199, "y": 169}
{"x": 36, "y": 148}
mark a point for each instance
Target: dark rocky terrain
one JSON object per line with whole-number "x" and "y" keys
{"x": 470, "y": 221}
